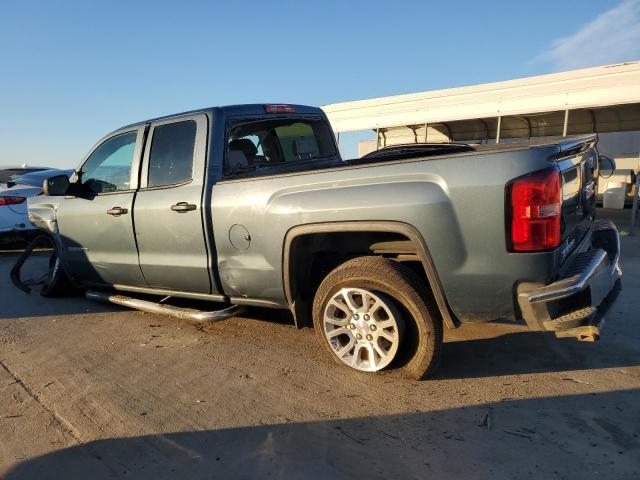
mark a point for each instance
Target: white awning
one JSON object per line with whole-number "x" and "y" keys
{"x": 601, "y": 99}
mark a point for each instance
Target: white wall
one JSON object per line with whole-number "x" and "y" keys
{"x": 619, "y": 144}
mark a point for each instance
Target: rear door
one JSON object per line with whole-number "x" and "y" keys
{"x": 168, "y": 208}
{"x": 97, "y": 227}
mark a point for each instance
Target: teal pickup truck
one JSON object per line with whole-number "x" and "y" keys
{"x": 252, "y": 205}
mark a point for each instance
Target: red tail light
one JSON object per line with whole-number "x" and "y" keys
{"x": 11, "y": 200}
{"x": 535, "y": 211}
{"x": 279, "y": 108}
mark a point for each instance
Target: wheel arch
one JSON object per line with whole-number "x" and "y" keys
{"x": 294, "y": 250}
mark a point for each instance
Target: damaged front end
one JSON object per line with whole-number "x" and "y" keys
{"x": 43, "y": 216}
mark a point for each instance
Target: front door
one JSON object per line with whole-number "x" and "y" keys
{"x": 168, "y": 209}
{"x": 98, "y": 241}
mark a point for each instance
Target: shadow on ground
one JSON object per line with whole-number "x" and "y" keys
{"x": 529, "y": 353}
{"x": 14, "y": 303}
{"x": 585, "y": 436}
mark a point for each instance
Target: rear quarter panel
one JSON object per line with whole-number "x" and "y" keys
{"x": 455, "y": 202}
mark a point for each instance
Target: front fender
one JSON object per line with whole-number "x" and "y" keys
{"x": 43, "y": 214}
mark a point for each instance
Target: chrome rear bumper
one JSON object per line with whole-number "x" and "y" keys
{"x": 580, "y": 298}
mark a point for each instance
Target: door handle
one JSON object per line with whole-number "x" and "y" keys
{"x": 182, "y": 207}
{"x": 117, "y": 211}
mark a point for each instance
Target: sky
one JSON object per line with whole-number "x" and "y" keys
{"x": 71, "y": 71}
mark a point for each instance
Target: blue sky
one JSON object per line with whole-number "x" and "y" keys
{"x": 70, "y": 71}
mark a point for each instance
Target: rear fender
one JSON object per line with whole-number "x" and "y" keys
{"x": 404, "y": 229}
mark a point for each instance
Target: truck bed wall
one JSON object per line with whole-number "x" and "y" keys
{"x": 455, "y": 202}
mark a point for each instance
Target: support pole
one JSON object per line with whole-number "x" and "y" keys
{"x": 498, "y": 129}
{"x": 414, "y": 130}
{"x": 634, "y": 205}
{"x": 566, "y": 122}
{"x": 377, "y": 138}
{"x": 426, "y": 130}
{"x": 526, "y": 119}
{"x": 338, "y": 138}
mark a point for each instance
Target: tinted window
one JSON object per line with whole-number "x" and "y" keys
{"x": 263, "y": 143}
{"x": 171, "y": 158}
{"x": 108, "y": 169}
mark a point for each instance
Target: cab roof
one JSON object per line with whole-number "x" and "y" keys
{"x": 236, "y": 110}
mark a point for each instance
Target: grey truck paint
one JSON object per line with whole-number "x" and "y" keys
{"x": 235, "y": 245}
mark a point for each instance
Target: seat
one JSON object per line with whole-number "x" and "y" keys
{"x": 244, "y": 145}
{"x": 304, "y": 147}
{"x": 236, "y": 160}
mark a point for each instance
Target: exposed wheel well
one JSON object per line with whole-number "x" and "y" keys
{"x": 312, "y": 255}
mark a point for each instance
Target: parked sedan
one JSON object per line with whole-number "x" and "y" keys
{"x": 8, "y": 174}
{"x": 13, "y": 198}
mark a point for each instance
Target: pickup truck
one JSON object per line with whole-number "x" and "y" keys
{"x": 252, "y": 205}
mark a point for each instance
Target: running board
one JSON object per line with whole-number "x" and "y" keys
{"x": 198, "y": 316}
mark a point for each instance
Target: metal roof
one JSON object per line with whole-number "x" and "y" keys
{"x": 589, "y": 88}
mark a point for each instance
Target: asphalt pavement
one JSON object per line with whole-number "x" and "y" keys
{"x": 90, "y": 390}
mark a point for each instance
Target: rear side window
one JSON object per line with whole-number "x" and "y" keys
{"x": 171, "y": 157}
{"x": 260, "y": 144}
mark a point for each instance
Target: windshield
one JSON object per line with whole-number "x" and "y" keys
{"x": 263, "y": 143}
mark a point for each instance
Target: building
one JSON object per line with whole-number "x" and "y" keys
{"x": 603, "y": 100}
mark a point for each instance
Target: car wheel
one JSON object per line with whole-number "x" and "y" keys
{"x": 373, "y": 313}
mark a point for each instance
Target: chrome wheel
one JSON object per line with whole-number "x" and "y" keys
{"x": 363, "y": 328}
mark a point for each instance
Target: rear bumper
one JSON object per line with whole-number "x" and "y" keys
{"x": 11, "y": 221}
{"x": 574, "y": 305}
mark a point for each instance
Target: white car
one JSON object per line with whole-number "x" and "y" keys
{"x": 13, "y": 198}
{"x": 8, "y": 174}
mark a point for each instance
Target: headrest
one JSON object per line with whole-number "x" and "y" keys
{"x": 244, "y": 145}
{"x": 303, "y": 146}
{"x": 236, "y": 159}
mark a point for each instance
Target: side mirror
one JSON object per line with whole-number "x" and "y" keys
{"x": 56, "y": 186}
{"x": 607, "y": 166}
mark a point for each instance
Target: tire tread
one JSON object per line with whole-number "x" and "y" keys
{"x": 404, "y": 280}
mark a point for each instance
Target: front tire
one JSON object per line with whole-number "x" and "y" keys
{"x": 373, "y": 313}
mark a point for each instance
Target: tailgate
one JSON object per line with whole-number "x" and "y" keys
{"x": 578, "y": 162}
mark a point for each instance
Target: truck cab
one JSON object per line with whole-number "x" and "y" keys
{"x": 134, "y": 218}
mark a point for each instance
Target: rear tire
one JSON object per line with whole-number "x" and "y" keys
{"x": 383, "y": 288}
{"x": 57, "y": 282}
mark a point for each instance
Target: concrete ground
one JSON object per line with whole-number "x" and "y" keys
{"x": 94, "y": 391}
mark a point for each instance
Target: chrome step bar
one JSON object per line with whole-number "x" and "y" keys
{"x": 193, "y": 315}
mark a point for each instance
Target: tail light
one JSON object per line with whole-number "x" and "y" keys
{"x": 535, "y": 203}
{"x": 279, "y": 108}
{"x": 11, "y": 200}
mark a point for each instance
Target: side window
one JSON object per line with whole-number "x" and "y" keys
{"x": 171, "y": 157}
{"x": 108, "y": 169}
